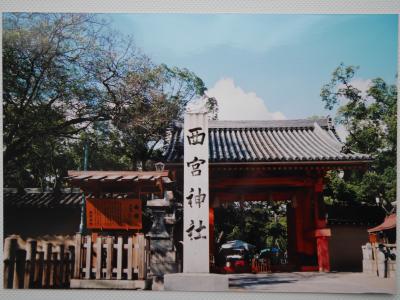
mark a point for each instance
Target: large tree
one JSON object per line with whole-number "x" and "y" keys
{"x": 371, "y": 122}
{"x": 160, "y": 100}
{"x": 68, "y": 81}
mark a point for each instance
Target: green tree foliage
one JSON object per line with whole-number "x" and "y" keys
{"x": 69, "y": 80}
{"x": 370, "y": 119}
{"x": 262, "y": 224}
{"x": 160, "y": 100}
{"x": 212, "y": 107}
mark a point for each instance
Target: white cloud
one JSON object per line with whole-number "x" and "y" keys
{"x": 359, "y": 83}
{"x": 342, "y": 132}
{"x": 236, "y": 104}
{"x": 362, "y": 84}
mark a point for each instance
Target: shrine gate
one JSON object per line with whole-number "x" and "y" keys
{"x": 270, "y": 160}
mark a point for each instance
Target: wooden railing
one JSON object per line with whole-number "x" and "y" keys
{"x": 379, "y": 261}
{"x": 37, "y": 266}
{"x": 112, "y": 258}
{"x": 42, "y": 264}
{"x": 260, "y": 266}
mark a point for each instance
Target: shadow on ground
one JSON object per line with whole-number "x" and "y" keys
{"x": 250, "y": 280}
{"x": 312, "y": 282}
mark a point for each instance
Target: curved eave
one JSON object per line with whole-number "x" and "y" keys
{"x": 289, "y": 164}
{"x": 270, "y": 143}
{"x": 297, "y": 163}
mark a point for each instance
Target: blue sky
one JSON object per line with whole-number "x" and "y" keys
{"x": 272, "y": 66}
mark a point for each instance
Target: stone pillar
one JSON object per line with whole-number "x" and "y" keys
{"x": 196, "y": 237}
{"x": 196, "y": 221}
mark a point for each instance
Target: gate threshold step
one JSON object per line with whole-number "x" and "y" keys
{"x": 111, "y": 284}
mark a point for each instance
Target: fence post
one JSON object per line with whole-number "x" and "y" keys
{"x": 54, "y": 275}
{"x": 130, "y": 262}
{"x": 135, "y": 257}
{"x": 109, "y": 249}
{"x": 68, "y": 267}
{"x": 30, "y": 263}
{"x": 37, "y": 278}
{"x": 60, "y": 259}
{"x": 119, "y": 257}
{"x": 99, "y": 246}
{"x": 77, "y": 264}
{"x": 18, "y": 280}
{"x": 148, "y": 257}
{"x": 47, "y": 249}
{"x": 70, "y": 264}
{"x": 10, "y": 246}
{"x": 88, "y": 267}
{"x": 141, "y": 254}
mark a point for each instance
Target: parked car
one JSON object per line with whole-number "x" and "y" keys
{"x": 235, "y": 257}
{"x": 237, "y": 263}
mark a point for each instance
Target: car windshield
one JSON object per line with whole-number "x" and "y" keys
{"x": 234, "y": 257}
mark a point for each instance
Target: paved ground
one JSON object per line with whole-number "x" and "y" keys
{"x": 309, "y": 282}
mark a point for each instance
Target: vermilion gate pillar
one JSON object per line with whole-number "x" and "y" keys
{"x": 322, "y": 232}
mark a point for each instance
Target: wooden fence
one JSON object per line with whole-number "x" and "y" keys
{"x": 260, "y": 266}
{"x": 112, "y": 258}
{"x": 41, "y": 264}
{"x": 379, "y": 261}
{"x": 37, "y": 266}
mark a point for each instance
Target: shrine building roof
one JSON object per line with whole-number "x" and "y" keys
{"x": 119, "y": 181}
{"x": 388, "y": 223}
{"x": 36, "y": 198}
{"x": 282, "y": 141}
{"x": 116, "y": 184}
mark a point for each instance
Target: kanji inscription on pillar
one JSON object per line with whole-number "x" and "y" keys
{"x": 196, "y": 194}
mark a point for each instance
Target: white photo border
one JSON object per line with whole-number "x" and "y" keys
{"x": 193, "y": 6}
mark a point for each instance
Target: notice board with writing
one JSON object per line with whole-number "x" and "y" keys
{"x": 113, "y": 213}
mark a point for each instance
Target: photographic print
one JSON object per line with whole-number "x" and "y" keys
{"x": 200, "y": 152}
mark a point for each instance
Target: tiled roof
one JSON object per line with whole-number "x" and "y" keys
{"x": 36, "y": 199}
{"x": 268, "y": 141}
{"x": 117, "y": 176}
{"x": 72, "y": 197}
{"x": 388, "y": 223}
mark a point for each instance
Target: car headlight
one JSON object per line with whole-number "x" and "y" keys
{"x": 228, "y": 264}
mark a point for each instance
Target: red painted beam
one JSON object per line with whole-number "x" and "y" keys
{"x": 246, "y": 182}
{"x": 232, "y": 197}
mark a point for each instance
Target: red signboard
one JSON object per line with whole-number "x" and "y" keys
{"x": 114, "y": 213}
